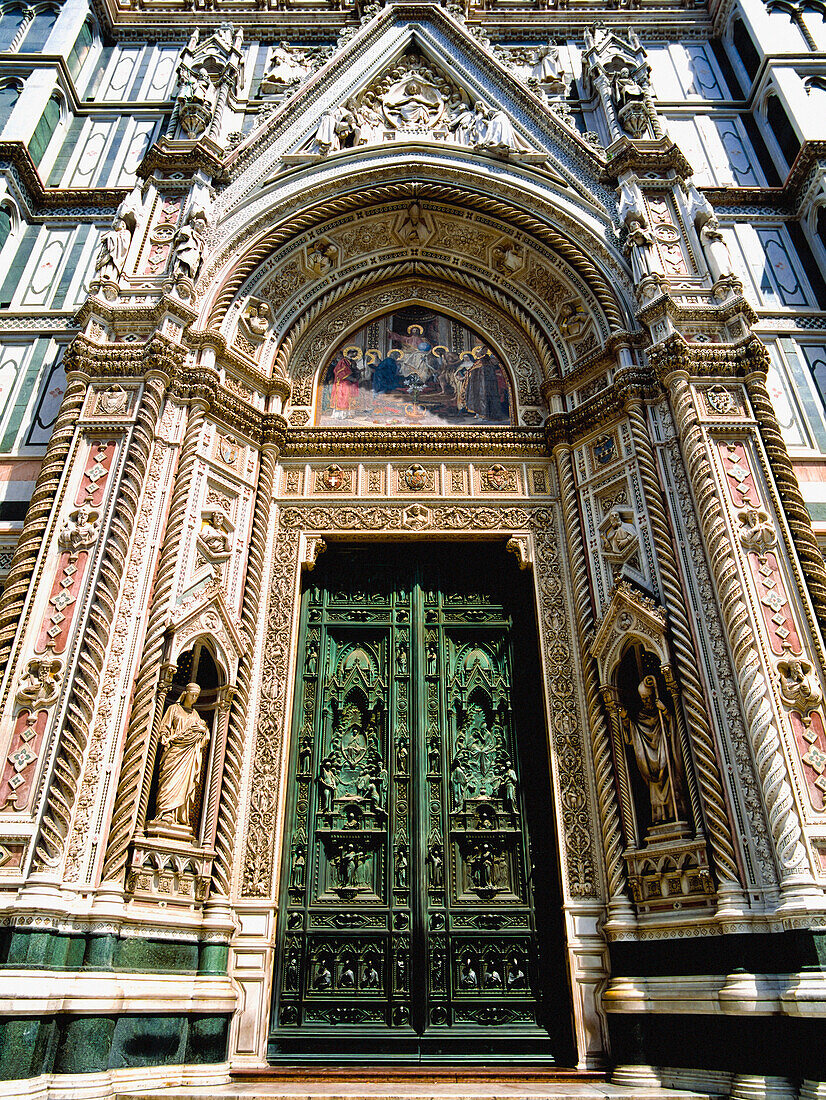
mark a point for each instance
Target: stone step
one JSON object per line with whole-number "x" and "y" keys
{"x": 419, "y": 1090}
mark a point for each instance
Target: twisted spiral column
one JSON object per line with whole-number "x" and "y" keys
{"x": 37, "y": 515}
{"x": 138, "y": 734}
{"x": 792, "y": 861}
{"x": 800, "y": 524}
{"x": 719, "y": 828}
{"x": 236, "y": 730}
{"x": 619, "y": 908}
{"x": 74, "y": 735}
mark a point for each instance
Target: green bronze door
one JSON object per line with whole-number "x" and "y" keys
{"x": 409, "y": 926}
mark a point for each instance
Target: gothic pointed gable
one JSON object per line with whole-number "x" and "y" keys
{"x": 415, "y": 74}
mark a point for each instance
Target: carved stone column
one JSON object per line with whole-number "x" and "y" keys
{"x": 763, "y": 724}
{"x": 274, "y": 429}
{"x": 619, "y": 908}
{"x": 730, "y": 893}
{"x": 160, "y": 361}
{"x": 201, "y": 385}
{"x": 800, "y": 524}
{"x": 39, "y": 510}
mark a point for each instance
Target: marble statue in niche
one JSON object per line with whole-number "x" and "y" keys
{"x": 183, "y": 737}
{"x": 649, "y": 731}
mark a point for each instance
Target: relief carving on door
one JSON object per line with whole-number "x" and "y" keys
{"x": 409, "y": 908}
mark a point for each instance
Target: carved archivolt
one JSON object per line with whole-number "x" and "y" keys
{"x": 258, "y": 852}
{"x": 577, "y": 246}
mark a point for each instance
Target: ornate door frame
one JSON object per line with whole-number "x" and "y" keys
{"x": 315, "y": 508}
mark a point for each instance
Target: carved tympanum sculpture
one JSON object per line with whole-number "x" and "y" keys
{"x": 183, "y": 737}
{"x": 650, "y": 733}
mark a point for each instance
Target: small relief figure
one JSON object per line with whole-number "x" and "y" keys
{"x": 401, "y": 659}
{"x": 414, "y": 227}
{"x": 573, "y": 320}
{"x": 799, "y": 687}
{"x": 413, "y": 103}
{"x": 79, "y": 531}
{"x": 499, "y": 135}
{"x": 321, "y": 257}
{"x": 629, "y": 95}
{"x": 493, "y": 979}
{"x": 650, "y": 734}
{"x": 545, "y": 67}
{"x": 323, "y": 978}
{"x": 401, "y": 755}
{"x": 336, "y": 129}
{"x": 371, "y": 128}
{"x": 257, "y": 318}
{"x": 401, "y": 972}
{"x": 757, "y": 533}
{"x": 483, "y": 867}
{"x": 619, "y": 537}
{"x": 327, "y": 783}
{"x": 348, "y": 864}
{"x": 214, "y": 534}
{"x": 293, "y": 970}
{"x": 352, "y": 819}
{"x": 436, "y": 866}
{"x": 401, "y": 867}
{"x": 434, "y": 756}
{"x": 463, "y": 121}
{"x": 183, "y": 737}
{"x": 458, "y": 783}
{"x": 507, "y": 258}
{"x": 430, "y": 657}
{"x": 188, "y": 247}
{"x": 112, "y": 402}
{"x": 467, "y": 977}
{"x": 114, "y": 248}
{"x": 516, "y": 975}
{"x": 39, "y": 684}
{"x": 715, "y": 250}
{"x": 509, "y": 787}
{"x": 284, "y": 71}
{"x": 370, "y": 976}
{"x": 641, "y": 245}
{"x": 415, "y": 477}
{"x": 305, "y": 754}
{"x": 298, "y": 865}
{"x": 311, "y": 665}
{"x": 348, "y": 976}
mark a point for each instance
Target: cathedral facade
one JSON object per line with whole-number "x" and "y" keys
{"x": 412, "y": 463}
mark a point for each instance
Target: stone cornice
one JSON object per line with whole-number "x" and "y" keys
{"x": 383, "y": 441}
{"x": 659, "y": 156}
{"x": 787, "y": 198}
{"x": 57, "y": 198}
{"x": 708, "y": 360}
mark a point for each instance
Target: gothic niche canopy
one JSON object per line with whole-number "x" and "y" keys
{"x": 414, "y": 366}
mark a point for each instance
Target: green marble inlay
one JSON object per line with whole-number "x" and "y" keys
{"x": 94, "y": 951}
{"x": 91, "y": 1044}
